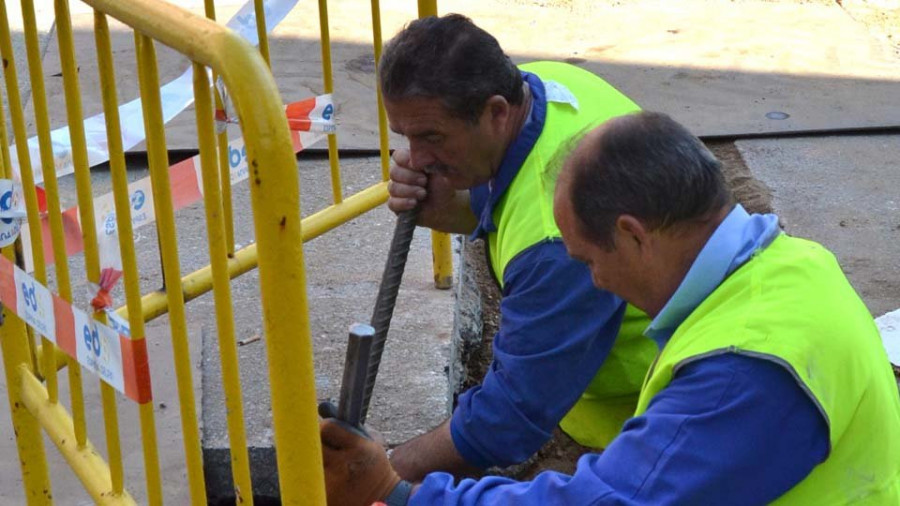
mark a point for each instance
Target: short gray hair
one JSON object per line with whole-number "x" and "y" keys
{"x": 646, "y": 165}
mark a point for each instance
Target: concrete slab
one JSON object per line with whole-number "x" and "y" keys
{"x": 841, "y": 192}
{"x": 719, "y": 67}
{"x": 343, "y": 270}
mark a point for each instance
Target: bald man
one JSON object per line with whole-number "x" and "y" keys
{"x": 771, "y": 385}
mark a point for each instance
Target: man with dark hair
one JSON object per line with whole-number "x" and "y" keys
{"x": 771, "y": 385}
{"x": 482, "y": 137}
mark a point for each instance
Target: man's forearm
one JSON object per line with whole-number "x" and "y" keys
{"x": 433, "y": 451}
{"x": 454, "y": 218}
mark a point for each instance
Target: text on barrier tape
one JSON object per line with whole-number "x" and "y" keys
{"x": 310, "y": 121}
{"x": 117, "y": 360}
{"x": 178, "y": 95}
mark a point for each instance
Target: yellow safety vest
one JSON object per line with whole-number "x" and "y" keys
{"x": 792, "y": 305}
{"x": 524, "y": 217}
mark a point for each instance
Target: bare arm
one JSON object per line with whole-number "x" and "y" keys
{"x": 432, "y": 451}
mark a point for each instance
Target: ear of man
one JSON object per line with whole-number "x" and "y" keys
{"x": 632, "y": 233}
{"x": 498, "y": 110}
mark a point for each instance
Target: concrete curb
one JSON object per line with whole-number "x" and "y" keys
{"x": 467, "y": 333}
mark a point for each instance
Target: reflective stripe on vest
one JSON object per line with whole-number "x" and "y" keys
{"x": 792, "y": 305}
{"x": 524, "y": 217}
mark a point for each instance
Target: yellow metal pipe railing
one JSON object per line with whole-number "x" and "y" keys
{"x": 427, "y": 8}
{"x": 222, "y": 140}
{"x": 442, "y": 257}
{"x": 16, "y": 344}
{"x": 25, "y": 171}
{"x": 276, "y": 223}
{"x": 383, "y": 146}
{"x": 131, "y": 279}
{"x": 218, "y": 256}
{"x": 260, "y": 11}
{"x": 85, "y": 462}
{"x": 42, "y": 122}
{"x": 199, "y": 282}
{"x": 27, "y": 428}
{"x": 278, "y": 253}
{"x": 327, "y": 77}
{"x": 148, "y": 77}
{"x": 83, "y": 189}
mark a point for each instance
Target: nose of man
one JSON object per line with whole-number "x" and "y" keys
{"x": 420, "y": 158}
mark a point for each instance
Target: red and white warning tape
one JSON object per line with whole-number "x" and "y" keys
{"x": 118, "y": 360}
{"x": 177, "y": 94}
{"x": 310, "y": 120}
{"x": 107, "y": 350}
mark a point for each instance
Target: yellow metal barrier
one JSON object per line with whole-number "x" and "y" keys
{"x": 31, "y": 370}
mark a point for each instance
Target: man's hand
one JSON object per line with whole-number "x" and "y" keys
{"x": 441, "y": 206}
{"x": 357, "y": 470}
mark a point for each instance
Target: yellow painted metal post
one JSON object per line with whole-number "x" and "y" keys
{"x": 442, "y": 257}
{"x": 86, "y": 207}
{"x": 15, "y": 351}
{"x": 85, "y": 462}
{"x": 14, "y": 346}
{"x": 383, "y": 146}
{"x": 427, "y": 8}
{"x": 27, "y": 429}
{"x": 325, "y": 40}
{"x": 222, "y": 141}
{"x": 246, "y": 259}
{"x": 126, "y": 242}
{"x": 218, "y": 256}
{"x": 42, "y": 122}
{"x": 259, "y": 9}
{"x": 276, "y": 211}
{"x": 148, "y": 76}
{"x": 25, "y": 170}
{"x": 442, "y": 260}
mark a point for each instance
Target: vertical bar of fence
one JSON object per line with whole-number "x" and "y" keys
{"x": 82, "y": 174}
{"x": 42, "y": 122}
{"x": 126, "y": 239}
{"x": 259, "y": 9}
{"x": 218, "y": 256}
{"x": 382, "y": 116}
{"x": 16, "y": 353}
{"x": 27, "y": 430}
{"x": 222, "y": 141}
{"x": 276, "y": 216}
{"x": 26, "y": 176}
{"x": 333, "y": 157}
{"x": 442, "y": 258}
{"x": 148, "y": 77}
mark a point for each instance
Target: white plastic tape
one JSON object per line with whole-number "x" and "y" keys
{"x": 176, "y": 95}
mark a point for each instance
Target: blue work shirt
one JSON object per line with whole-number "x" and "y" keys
{"x": 544, "y": 359}
{"x": 728, "y": 429}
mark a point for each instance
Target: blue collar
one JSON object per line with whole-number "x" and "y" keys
{"x": 483, "y": 198}
{"x": 735, "y": 240}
